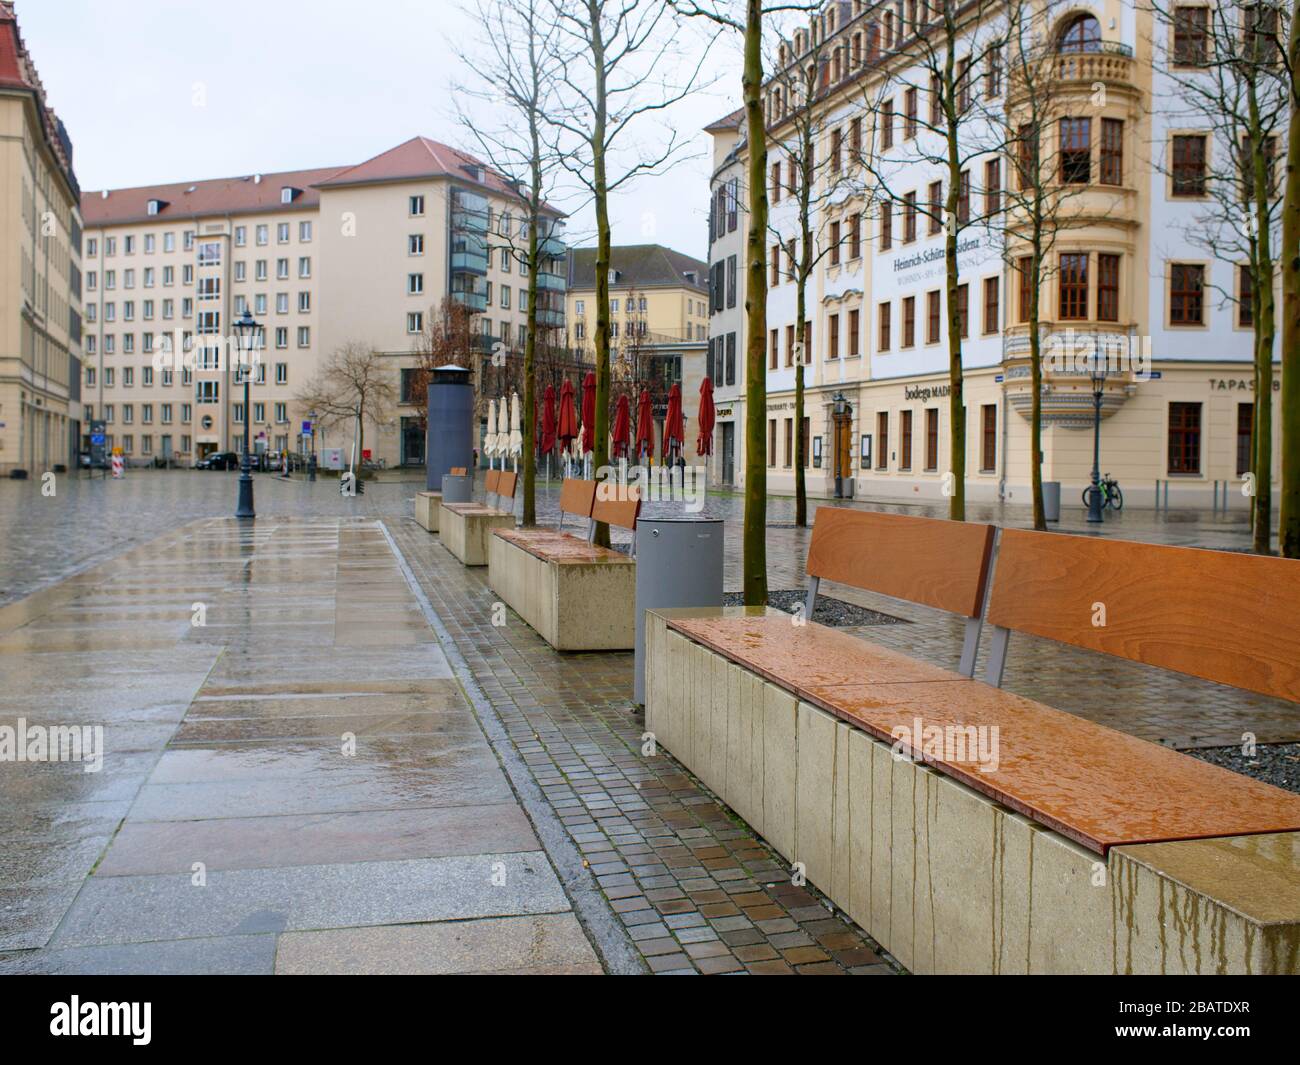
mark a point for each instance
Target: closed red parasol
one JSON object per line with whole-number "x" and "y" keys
{"x": 622, "y": 428}
{"x": 674, "y": 430}
{"x": 704, "y": 442}
{"x": 568, "y": 426}
{"x": 547, "y": 443}
{"x": 645, "y": 426}
{"x": 589, "y": 413}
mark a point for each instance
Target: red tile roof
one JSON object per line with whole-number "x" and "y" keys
{"x": 421, "y": 158}
{"x": 17, "y": 71}
{"x": 252, "y": 194}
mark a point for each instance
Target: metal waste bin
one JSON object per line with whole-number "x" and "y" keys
{"x": 1052, "y": 500}
{"x": 678, "y": 564}
{"x": 458, "y": 489}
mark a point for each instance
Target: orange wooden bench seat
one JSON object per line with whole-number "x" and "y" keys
{"x": 576, "y": 595}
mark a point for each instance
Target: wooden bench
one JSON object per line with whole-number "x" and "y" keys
{"x": 1073, "y": 848}
{"x": 579, "y": 597}
{"x": 465, "y": 527}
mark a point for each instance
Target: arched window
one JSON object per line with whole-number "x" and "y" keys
{"x": 1081, "y": 34}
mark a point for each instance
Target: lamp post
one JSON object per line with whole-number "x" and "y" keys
{"x": 246, "y": 337}
{"x": 311, "y": 461}
{"x": 838, "y": 400}
{"x": 1097, "y": 374}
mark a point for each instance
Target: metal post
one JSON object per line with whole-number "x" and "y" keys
{"x": 1094, "y": 497}
{"x": 245, "y": 508}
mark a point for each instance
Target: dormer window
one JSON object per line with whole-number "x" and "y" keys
{"x": 288, "y": 194}
{"x": 155, "y": 206}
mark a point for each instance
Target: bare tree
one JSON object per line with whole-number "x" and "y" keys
{"x": 1289, "y": 531}
{"x": 354, "y": 384}
{"x": 617, "y": 58}
{"x": 518, "y": 64}
{"x": 951, "y": 44}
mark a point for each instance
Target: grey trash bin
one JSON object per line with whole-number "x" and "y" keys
{"x": 678, "y": 564}
{"x": 1052, "y": 500}
{"x": 458, "y": 489}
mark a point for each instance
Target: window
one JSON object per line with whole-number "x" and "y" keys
{"x": 885, "y": 316}
{"x": 304, "y": 267}
{"x": 416, "y": 206}
{"x": 835, "y": 243}
{"x": 1186, "y": 294}
{"x": 855, "y": 323}
{"x": 775, "y": 267}
{"x": 282, "y": 303}
{"x": 904, "y": 439}
{"x": 837, "y": 149}
{"x": 304, "y": 232}
{"x": 887, "y": 125}
{"x": 1108, "y": 288}
{"x": 1076, "y": 151}
{"x": 1245, "y": 432}
{"x": 789, "y": 345}
{"x": 776, "y": 182}
{"x": 281, "y": 373}
{"x": 281, "y": 269}
{"x": 936, "y": 207}
{"x": 909, "y": 217}
{"x": 993, "y": 73}
{"x": 1112, "y": 151}
{"x": 263, "y": 235}
{"x": 282, "y": 233}
{"x": 1025, "y": 270}
{"x": 990, "y": 305}
{"x": 988, "y": 438}
{"x": 1188, "y": 165}
{"x": 1184, "y": 438}
{"x": 1074, "y": 285}
{"x": 992, "y": 187}
{"x": 886, "y": 225}
{"x": 963, "y": 197}
{"x": 855, "y": 139}
{"x": 414, "y": 284}
{"x": 911, "y": 123}
{"x": 414, "y": 322}
{"x": 931, "y": 439}
{"x": 771, "y": 441}
{"x": 1245, "y": 298}
{"x": 936, "y": 101}
{"x": 882, "y": 440}
{"x": 1027, "y": 156}
{"x": 855, "y": 237}
{"x": 909, "y": 321}
{"x": 304, "y": 302}
{"x": 932, "y": 315}
{"x": 774, "y": 349}
{"x": 1190, "y": 35}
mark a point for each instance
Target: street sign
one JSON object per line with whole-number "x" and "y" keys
{"x": 306, "y": 428}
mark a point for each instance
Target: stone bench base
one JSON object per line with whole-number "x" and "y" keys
{"x": 427, "y": 506}
{"x": 466, "y": 527}
{"x": 582, "y": 599}
{"x": 945, "y": 878}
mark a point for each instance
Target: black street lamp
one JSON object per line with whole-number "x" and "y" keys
{"x": 1097, "y": 374}
{"x": 840, "y": 406}
{"x": 311, "y": 462}
{"x": 246, "y": 338}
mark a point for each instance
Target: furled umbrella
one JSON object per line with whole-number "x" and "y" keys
{"x": 589, "y": 413}
{"x": 567, "y": 430}
{"x": 547, "y": 443}
{"x": 516, "y": 430}
{"x": 704, "y": 442}
{"x": 674, "y": 429}
{"x": 490, "y": 437}
{"x": 645, "y": 426}
{"x": 622, "y": 428}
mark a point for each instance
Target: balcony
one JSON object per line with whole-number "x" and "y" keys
{"x": 1108, "y": 62}
{"x": 551, "y": 282}
{"x": 552, "y": 247}
{"x": 550, "y": 319}
{"x": 476, "y": 302}
{"x": 467, "y": 261}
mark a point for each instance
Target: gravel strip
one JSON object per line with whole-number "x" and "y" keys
{"x": 1274, "y": 763}
{"x": 833, "y": 613}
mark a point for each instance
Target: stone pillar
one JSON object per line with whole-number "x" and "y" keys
{"x": 450, "y": 434}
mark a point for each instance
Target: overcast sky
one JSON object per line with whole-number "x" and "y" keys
{"x": 175, "y": 90}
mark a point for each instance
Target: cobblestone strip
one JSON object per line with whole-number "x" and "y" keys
{"x": 695, "y": 890}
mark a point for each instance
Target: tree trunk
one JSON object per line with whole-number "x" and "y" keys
{"x": 1036, "y": 382}
{"x": 755, "y": 527}
{"x": 530, "y": 355}
{"x": 807, "y": 175}
{"x": 956, "y": 399}
{"x": 1265, "y": 329}
{"x": 1289, "y": 531}
{"x": 600, "y": 441}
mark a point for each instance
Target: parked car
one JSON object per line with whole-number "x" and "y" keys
{"x": 218, "y": 460}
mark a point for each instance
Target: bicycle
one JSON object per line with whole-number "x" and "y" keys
{"x": 1111, "y": 496}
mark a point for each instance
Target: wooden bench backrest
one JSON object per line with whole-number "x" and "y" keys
{"x": 1218, "y": 615}
{"x": 577, "y": 496}
{"x": 457, "y": 471}
{"x": 938, "y": 563}
{"x": 621, "y": 512}
{"x": 506, "y": 484}
{"x": 490, "y": 486}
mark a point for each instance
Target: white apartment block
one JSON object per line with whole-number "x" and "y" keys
{"x": 320, "y": 258}
{"x": 1128, "y": 274}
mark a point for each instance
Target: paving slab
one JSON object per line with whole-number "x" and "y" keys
{"x": 552, "y": 944}
{"x": 218, "y": 956}
{"x": 136, "y": 909}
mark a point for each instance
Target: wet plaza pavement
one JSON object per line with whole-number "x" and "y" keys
{"x": 347, "y": 767}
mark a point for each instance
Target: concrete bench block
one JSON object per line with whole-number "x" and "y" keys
{"x": 945, "y": 878}
{"x": 465, "y": 529}
{"x": 427, "y": 506}
{"x": 573, "y": 605}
